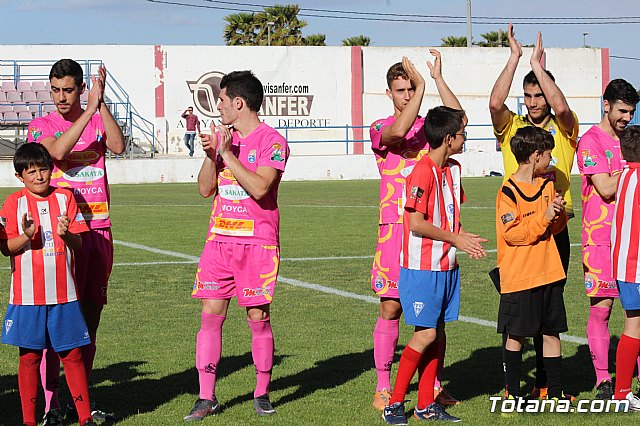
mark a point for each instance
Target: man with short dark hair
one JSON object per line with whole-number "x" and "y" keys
{"x": 192, "y": 124}
{"x": 547, "y": 108}
{"x": 244, "y": 162}
{"x": 600, "y": 162}
{"x": 78, "y": 139}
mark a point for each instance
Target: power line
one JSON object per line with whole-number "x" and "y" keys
{"x": 624, "y": 57}
{"x": 453, "y": 20}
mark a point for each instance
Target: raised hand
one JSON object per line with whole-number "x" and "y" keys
{"x": 226, "y": 137}
{"x": 538, "y": 51}
{"x": 210, "y": 142}
{"x": 514, "y": 45}
{"x": 63, "y": 225}
{"x": 28, "y": 226}
{"x": 96, "y": 94}
{"x": 435, "y": 69}
{"x": 412, "y": 72}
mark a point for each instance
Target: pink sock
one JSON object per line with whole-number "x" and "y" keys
{"x": 88, "y": 355}
{"x": 598, "y": 338}
{"x": 442, "y": 347}
{"x": 262, "y": 352}
{"x": 208, "y": 352}
{"x": 385, "y": 338}
{"x": 50, "y": 379}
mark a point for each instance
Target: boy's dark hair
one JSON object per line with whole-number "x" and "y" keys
{"x": 396, "y": 71}
{"x": 245, "y": 85}
{"x": 441, "y": 122}
{"x": 620, "y": 90}
{"x": 531, "y": 78}
{"x": 67, "y": 68}
{"x": 630, "y": 144}
{"x": 29, "y": 155}
{"x": 528, "y": 140}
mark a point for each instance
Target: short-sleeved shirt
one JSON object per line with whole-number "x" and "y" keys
{"x": 43, "y": 271}
{"x": 395, "y": 162}
{"x": 598, "y": 153}
{"x": 559, "y": 170}
{"x": 625, "y": 231}
{"x": 236, "y": 216}
{"x": 83, "y": 169}
{"x": 437, "y": 193}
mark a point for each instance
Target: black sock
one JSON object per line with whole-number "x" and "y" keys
{"x": 541, "y": 373}
{"x": 513, "y": 365}
{"x": 553, "y": 365}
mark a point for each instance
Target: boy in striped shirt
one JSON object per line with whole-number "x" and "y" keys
{"x": 625, "y": 246}
{"x": 429, "y": 283}
{"x": 41, "y": 225}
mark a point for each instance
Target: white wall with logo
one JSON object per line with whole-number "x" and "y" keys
{"x": 326, "y": 74}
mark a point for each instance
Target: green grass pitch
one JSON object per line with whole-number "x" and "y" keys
{"x": 323, "y": 373}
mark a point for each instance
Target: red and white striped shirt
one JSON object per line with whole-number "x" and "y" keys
{"x": 42, "y": 273}
{"x": 437, "y": 193}
{"x": 625, "y": 229}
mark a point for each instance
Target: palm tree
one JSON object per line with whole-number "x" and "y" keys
{"x": 240, "y": 29}
{"x": 494, "y": 39}
{"x": 315, "y": 40}
{"x": 454, "y": 41}
{"x": 358, "y": 40}
{"x": 286, "y": 28}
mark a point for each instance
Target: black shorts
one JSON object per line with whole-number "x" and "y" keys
{"x": 532, "y": 312}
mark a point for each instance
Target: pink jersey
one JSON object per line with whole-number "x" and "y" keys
{"x": 625, "y": 232}
{"x": 395, "y": 162}
{"x": 83, "y": 169}
{"x": 236, "y": 216}
{"x": 43, "y": 271}
{"x": 437, "y": 193}
{"x": 598, "y": 153}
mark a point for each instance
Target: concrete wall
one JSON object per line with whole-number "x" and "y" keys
{"x": 342, "y": 85}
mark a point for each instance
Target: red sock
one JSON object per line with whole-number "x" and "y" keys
{"x": 425, "y": 386}
{"x": 28, "y": 383}
{"x": 626, "y": 357}
{"x": 406, "y": 369}
{"x": 77, "y": 382}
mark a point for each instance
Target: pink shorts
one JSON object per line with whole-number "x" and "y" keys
{"x": 386, "y": 263}
{"x": 94, "y": 261}
{"x": 246, "y": 271}
{"x": 598, "y": 277}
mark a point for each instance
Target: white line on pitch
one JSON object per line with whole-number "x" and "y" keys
{"x": 348, "y": 294}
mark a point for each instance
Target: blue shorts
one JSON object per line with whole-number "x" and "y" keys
{"x": 61, "y": 327}
{"x": 629, "y": 295}
{"x": 429, "y": 297}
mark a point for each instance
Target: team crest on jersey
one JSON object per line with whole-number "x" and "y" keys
{"x": 506, "y": 218}
{"x": 252, "y": 156}
{"x": 35, "y": 134}
{"x": 98, "y": 135}
{"x": 417, "y": 307}
{"x": 7, "y": 326}
{"x": 552, "y": 129}
{"x": 417, "y": 192}
{"x": 379, "y": 283}
{"x": 277, "y": 153}
{"x": 587, "y": 159}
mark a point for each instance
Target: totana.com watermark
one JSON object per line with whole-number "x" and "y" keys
{"x": 557, "y": 406}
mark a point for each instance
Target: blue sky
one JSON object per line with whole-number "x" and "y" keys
{"x": 143, "y": 22}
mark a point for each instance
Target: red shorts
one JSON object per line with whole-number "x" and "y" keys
{"x": 93, "y": 265}
{"x": 386, "y": 263}
{"x": 246, "y": 271}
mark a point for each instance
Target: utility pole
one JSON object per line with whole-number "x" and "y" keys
{"x": 469, "y": 44}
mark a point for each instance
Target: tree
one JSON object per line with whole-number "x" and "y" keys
{"x": 454, "y": 41}
{"x": 240, "y": 29}
{"x": 315, "y": 40}
{"x": 277, "y": 24}
{"x": 358, "y": 40}
{"x": 494, "y": 39}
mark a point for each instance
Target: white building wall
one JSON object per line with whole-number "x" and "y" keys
{"x": 327, "y": 74}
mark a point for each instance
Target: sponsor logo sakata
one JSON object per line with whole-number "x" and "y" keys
{"x": 84, "y": 174}
{"x": 232, "y": 192}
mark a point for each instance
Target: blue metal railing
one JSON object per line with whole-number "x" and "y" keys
{"x": 150, "y": 134}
